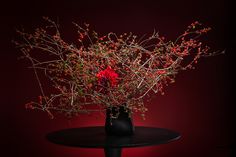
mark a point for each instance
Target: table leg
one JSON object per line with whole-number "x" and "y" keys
{"x": 112, "y": 152}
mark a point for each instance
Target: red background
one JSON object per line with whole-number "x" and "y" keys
{"x": 199, "y": 105}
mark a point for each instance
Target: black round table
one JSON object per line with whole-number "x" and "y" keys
{"x": 95, "y": 137}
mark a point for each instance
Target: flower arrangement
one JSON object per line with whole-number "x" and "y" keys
{"x": 106, "y": 71}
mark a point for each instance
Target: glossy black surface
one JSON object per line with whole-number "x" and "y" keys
{"x": 95, "y": 137}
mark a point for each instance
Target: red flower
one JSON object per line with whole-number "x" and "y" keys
{"x": 107, "y": 75}
{"x": 29, "y": 105}
{"x": 161, "y": 72}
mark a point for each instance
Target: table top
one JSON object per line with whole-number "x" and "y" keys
{"x": 95, "y": 137}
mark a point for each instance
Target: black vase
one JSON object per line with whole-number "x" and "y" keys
{"x": 121, "y": 125}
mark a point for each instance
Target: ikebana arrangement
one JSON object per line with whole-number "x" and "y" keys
{"x": 99, "y": 73}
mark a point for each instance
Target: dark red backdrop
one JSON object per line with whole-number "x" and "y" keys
{"x": 198, "y": 105}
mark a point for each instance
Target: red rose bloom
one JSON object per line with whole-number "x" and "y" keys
{"x": 107, "y": 75}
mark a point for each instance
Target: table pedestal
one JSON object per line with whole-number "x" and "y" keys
{"x": 112, "y": 152}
